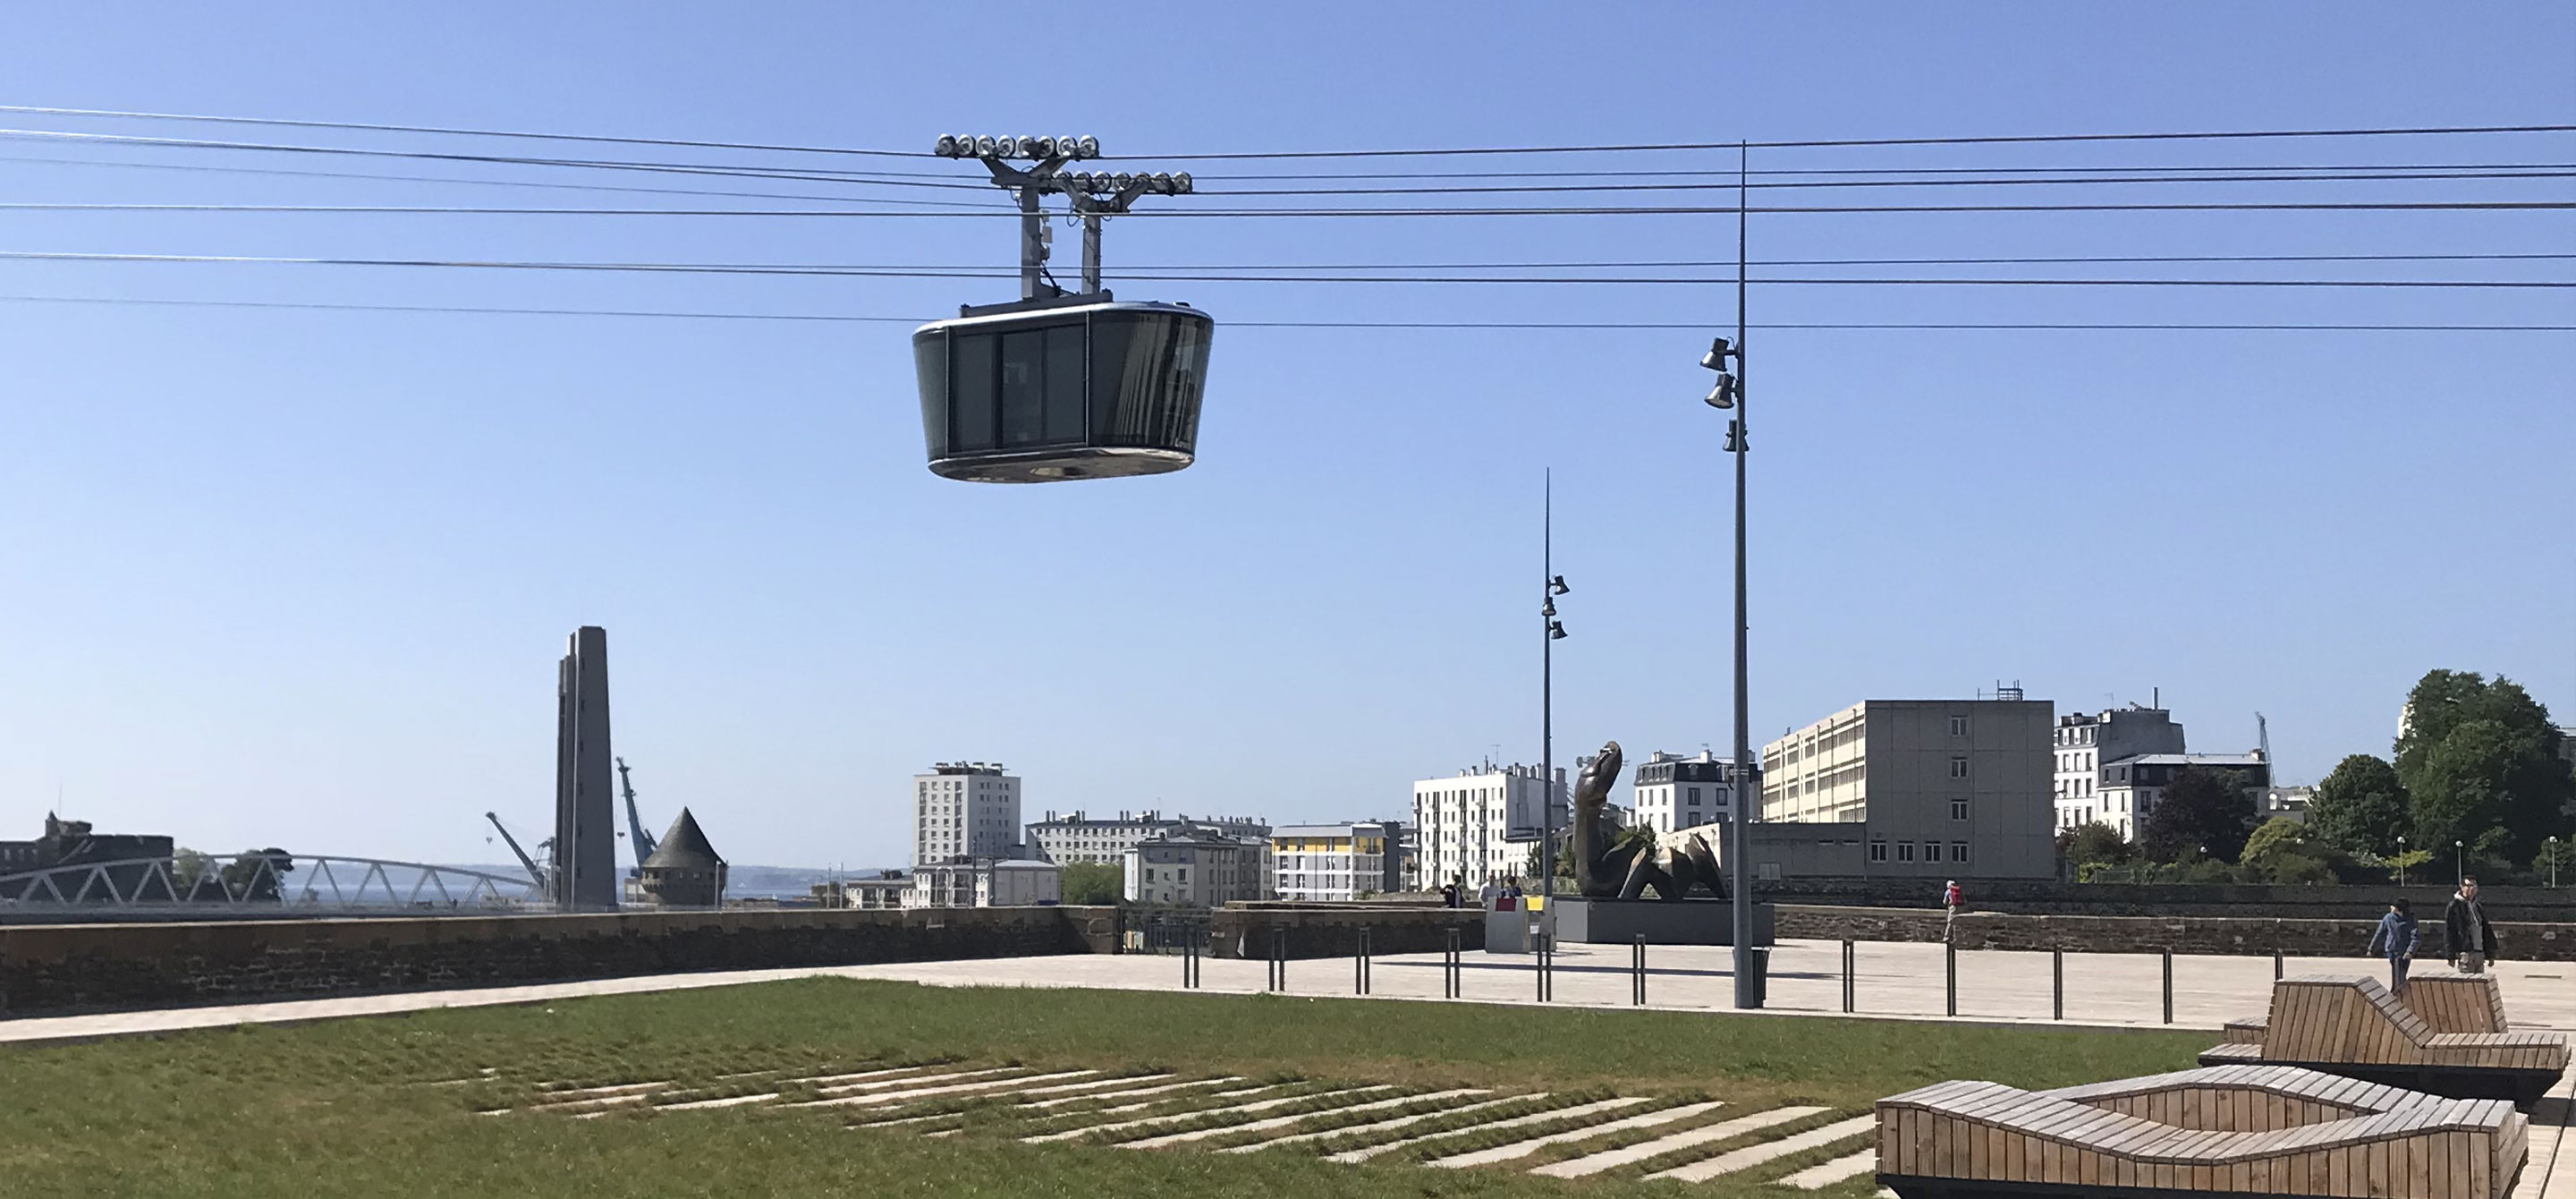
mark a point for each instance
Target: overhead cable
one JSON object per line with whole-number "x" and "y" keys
{"x": 1504, "y": 325}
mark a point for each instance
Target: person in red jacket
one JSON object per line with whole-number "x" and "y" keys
{"x": 1952, "y": 899}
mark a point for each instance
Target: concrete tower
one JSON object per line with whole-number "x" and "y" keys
{"x": 585, "y": 855}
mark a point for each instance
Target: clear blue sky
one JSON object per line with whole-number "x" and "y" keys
{"x": 300, "y": 577}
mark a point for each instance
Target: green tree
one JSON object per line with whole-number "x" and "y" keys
{"x": 2361, "y": 808}
{"x": 2201, "y": 813}
{"x": 247, "y": 879}
{"x": 2479, "y": 761}
{"x": 2285, "y": 850}
{"x": 1094, "y": 883}
{"x": 190, "y": 869}
{"x": 2095, "y": 842}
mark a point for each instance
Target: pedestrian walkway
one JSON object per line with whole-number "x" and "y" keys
{"x": 1898, "y": 981}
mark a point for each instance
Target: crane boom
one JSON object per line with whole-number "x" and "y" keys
{"x": 536, "y": 873}
{"x": 644, "y": 842}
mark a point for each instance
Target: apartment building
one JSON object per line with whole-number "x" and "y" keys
{"x": 2087, "y": 741}
{"x": 1066, "y": 838}
{"x": 1195, "y": 867}
{"x": 963, "y": 811}
{"x": 1337, "y": 863}
{"x": 1468, "y": 822}
{"x": 985, "y": 883}
{"x": 1675, "y": 792}
{"x": 2131, "y": 786}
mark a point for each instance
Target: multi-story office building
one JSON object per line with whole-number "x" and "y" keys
{"x": 2131, "y": 786}
{"x": 962, "y": 811}
{"x": 1675, "y": 792}
{"x": 1463, "y": 823}
{"x": 1337, "y": 862}
{"x": 1067, "y": 838}
{"x": 2087, "y": 741}
{"x": 1941, "y": 788}
{"x": 1195, "y": 867}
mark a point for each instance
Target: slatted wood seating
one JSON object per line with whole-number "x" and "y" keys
{"x": 2446, "y": 1036}
{"x": 2222, "y": 1130}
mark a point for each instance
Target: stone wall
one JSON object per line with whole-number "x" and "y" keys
{"x": 2255, "y": 936}
{"x": 2041, "y": 896}
{"x": 54, "y": 967}
{"x": 1245, "y": 930}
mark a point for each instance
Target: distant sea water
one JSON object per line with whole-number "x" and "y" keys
{"x": 743, "y": 882}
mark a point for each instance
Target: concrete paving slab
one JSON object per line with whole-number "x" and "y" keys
{"x": 1201, "y": 1134}
{"x": 1771, "y": 1151}
{"x": 1829, "y": 1173}
{"x": 1378, "y": 1126}
{"x": 1520, "y": 1149}
{"x": 1262, "y": 1105}
{"x": 1625, "y": 1155}
{"x": 1546, "y": 1117}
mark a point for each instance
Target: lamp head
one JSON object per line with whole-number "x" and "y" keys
{"x": 1556, "y": 585}
{"x": 1555, "y": 631}
{"x": 1718, "y": 352}
{"x": 1722, "y": 395}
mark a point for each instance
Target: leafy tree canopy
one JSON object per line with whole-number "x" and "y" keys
{"x": 2202, "y": 812}
{"x": 2360, "y": 807}
{"x": 2479, "y": 761}
{"x": 2095, "y": 842}
{"x": 1094, "y": 883}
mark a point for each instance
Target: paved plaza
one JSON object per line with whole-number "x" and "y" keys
{"x": 1900, "y": 981}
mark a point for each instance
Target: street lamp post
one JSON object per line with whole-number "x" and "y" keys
{"x": 2459, "y": 862}
{"x": 2552, "y": 852}
{"x": 1550, "y": 632}
{"x": 2401, "y": 859}
{"x": 1729, "y": 393}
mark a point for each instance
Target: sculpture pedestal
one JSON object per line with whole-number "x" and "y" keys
{"x": 1621, "y": 921}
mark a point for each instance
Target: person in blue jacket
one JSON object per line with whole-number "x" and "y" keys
{"x": 2396, "y": 937}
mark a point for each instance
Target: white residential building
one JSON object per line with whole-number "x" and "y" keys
{"x": 1942, "y": 788}
{"x": 1675, "y": 792}
{"x": 1067, "y": 838}
{"x": 986, "y": 883}
{"x": 2088, "y": 741}
{"x": 1197, "y": 868}
{"x": 2131, "y": 786}
{"x": 1462, "y": 824}
{"x": 1337, "y": 862}
{"x": 964, "y": 810}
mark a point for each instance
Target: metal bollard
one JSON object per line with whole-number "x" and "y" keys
{"x": 2057, "y": 984}
{"x": 1950, "y": 988}
{"x": 1451, "y": 985}
{"x": 1279, "y": 959}
{"x": 1637, "y": 972}
{"x": 1189, "y": 960}
{"x": 2276, "y": 967}
{"x": 1545, "y": 954}
{"x": 2168, "y": 956}
{"x": 1851, "y": 982}
{"x": 1360, "y": 965}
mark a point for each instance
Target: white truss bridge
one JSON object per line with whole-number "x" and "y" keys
{"x": 256, "y": 884}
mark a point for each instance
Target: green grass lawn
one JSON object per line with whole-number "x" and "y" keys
{"x": 345, "y": 1104}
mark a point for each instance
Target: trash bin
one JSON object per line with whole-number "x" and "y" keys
{"x": 1757, "y": 974}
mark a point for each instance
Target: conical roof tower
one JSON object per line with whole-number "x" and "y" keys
{"x": 685, "y": 871}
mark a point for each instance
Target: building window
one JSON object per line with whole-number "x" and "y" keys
{"x": 1958, "y": 809}
{"x": 1958, "y": 851}
{"x": 1904, "y": 851}
{"x": 1958, "y": 768}
{"x": 1768, "y": 872}
{"x": 1931, "y": 851}
{"x": 1958, "y": 726}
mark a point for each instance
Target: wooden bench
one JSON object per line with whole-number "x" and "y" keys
{"x": 2446, "y": 1036}
{"x": 2225, "y": 1130}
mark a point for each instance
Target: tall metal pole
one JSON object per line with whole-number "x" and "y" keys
{"x": 1547, "y": 686}
{"x": 1739, "y": 863}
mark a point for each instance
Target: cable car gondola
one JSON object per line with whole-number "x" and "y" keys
{"x": 1059, "y": 386}
{"x": 1075, "y": 387}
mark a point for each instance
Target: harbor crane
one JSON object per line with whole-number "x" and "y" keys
{"x": 644, "y": 842}
{"x": 536, "y": 873}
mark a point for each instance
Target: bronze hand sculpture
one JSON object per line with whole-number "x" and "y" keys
{"x": 1604, "y": 871}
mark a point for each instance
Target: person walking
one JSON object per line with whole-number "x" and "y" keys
{"x": 2471, "y": 939}
{"x": 1952, "y": 899}
{"x": 2396, "y": 936}
{"x": 1487, "y": 894}
{"x": 1449, "y": 893}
